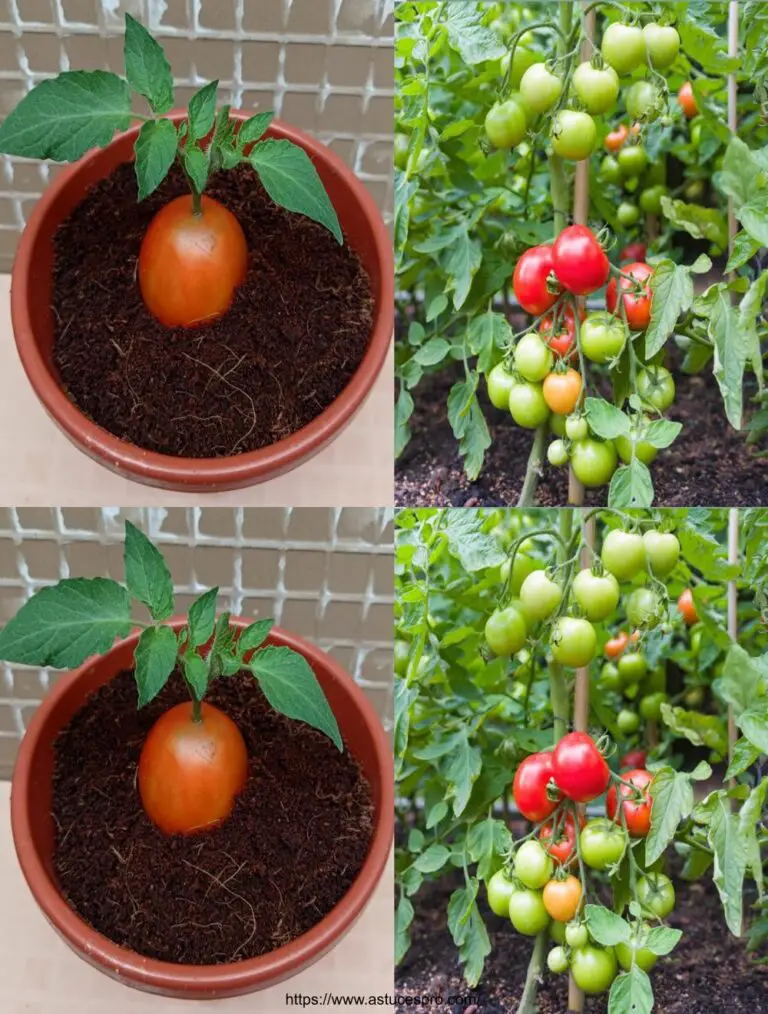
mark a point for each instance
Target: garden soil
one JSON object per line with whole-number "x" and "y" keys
{"x": 296, "y": 839}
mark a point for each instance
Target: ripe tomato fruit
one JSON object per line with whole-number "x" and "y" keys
{"x": 500, "y": 382}
{"x": 527, "y": 912}
{"x": 557, "y": 960}
{"x": 562, "y": 897}
{"x": 662, "y": 550}
{"x": 562, "y": 390}
{"x": 632, "y": 159}
{"x": 500, "y": 889}
{"x": 623, "y": 554}
{"x": 623, "y": 47}
{"x": 533, "y": 867}
{"x": 656, "y": 386}
{"x": 644, "y": 101}
{"x": 602, "y": 844}
{"x": 597, "y": 87}
{"x": 530, "y": 280}
{"x": 644, "y": 608}
{"x": 573, "y": 135}
{"x": 637, "y": 305}
{"x": 579, "y": 768}
{"x": 616, "y": 646}
{"x": 602, "y": 337}
{"x": 593, "y": 968}
{"x": 190, "y": 265}
{"x": 540, "y": 88}
{"x": 634, "y": 252}
{"x": 527, "y": 405}
{"x": 633, "y": 759}
{"x": 593, "y": 461}
{"x": 533, "y": 360}
{"x": 529, "y": 788}
{"x": 579, "y": 261}
{"x": 656, "y": 893}
{"x": 637, "y": 811}
{"x": 597, "y": 594}
{"x": 662, "y": 44}
{"x": 190, "y": 772}
{"x": 633, "y": 954}
{"x": 563, "y": 849}
{"x": 574, "y": 641}
{"x": 506, "y": 124}
{"x": 687, "y": 100}
{"x": 506, "y": 630}
{"x": 687, "y": 607}
{"x": 576, "y": 934}
{"x": 614, "y": 141}
{"x": 540, "y": 596}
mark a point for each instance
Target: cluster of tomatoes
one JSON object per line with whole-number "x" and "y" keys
{"x": 536, "y": 889}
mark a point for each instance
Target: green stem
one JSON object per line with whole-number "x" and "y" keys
{"x": 197, "y": 710}
{"x": 558, "y": 689}
{"x": 535, "y": 461}
{"x": 535, "y": 969}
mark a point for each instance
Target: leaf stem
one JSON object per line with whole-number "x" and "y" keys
{"x": 197, "y": 710}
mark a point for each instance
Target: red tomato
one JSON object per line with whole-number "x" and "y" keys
{"x": 616, "y": 647}
{"x": 530, "y": 787}
{"x": 638, "y": 306}
{"x": 579, "y": 768}
{"x": 638, "y": 812}
{"x": 687, "y": 100}
{"x": 530, "y": 280}
{"x": 579, "y": 261}
{"x": 563, "y": 343}
{"x": 687, "y": 608}
{"x": 633, "y": 759}
{"x": 564, "y": 848}
{"x": 190, "y": 772}
{"x": 562, "y": 390}
{"x": 634, "y": 252}
{"x": 616, "y": 138}
{"x": 190, "y": 265}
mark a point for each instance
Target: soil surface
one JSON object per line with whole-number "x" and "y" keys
{"x": 709, "y": 465}
{"x": 707, "y": 973}
{"x": 296, "y": 332}
{"x": 295, "y": 841}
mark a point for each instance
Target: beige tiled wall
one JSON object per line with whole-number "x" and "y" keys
{"x": 323, "y": 65}
{"x": 324, "y": 574}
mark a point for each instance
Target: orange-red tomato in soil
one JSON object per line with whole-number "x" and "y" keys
{"x": 190, "y": 772}
{"x": 687, "y": 608}
{"x": 687, "y": 100}
{"x": 561, "y": 391}
{"x": 190, "y": 265}
{"x": 562, "y": 897}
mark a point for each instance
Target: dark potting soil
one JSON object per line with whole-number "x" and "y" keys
{"x": 709, "y": 971}
{"x": 296, "y": 332}
{"x": 295, "y": 841}
{"x": 709, "y": 464}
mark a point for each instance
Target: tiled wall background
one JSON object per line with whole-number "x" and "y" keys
{"x": 326, "y": 574}
{"x": 324, "y": 65}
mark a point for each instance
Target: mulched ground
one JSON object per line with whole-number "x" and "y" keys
{"x": 708, "y": 465}
{"x": 708, "y": 972}
{"x": 296, "y": 332}
{"x": 295, "y": 841}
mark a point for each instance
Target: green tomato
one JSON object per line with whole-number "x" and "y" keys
{"x": 576, "y": 934}
{"x": 602, "y": 335}
{"x": 632, "y": 667}
{"x": 644, "y": 101}
{"x": 557, "y": 961}
{"x": 540, "y": 88}
{"x": 628, "y": 721}
{"x": 557, "y": 425}
{"x": 650, "y": 199}
{"x": 694, "y": 191}
{"x": 593, "y": 968}
{"x": 623, "y": 554}
{"x": 623, "y": 47}
{"x": 657, "y": 387}
{"x": 540, "y": 596}
{"x": 609, "y": 677}
{"x": 662, "y": 44}
{"x": 628, "y": 214}
{"x": 527, "y": 912}
{"x": 631, "y": 691}
{"x": 402, "y": 148}
{"x": 662, "y": 550}
{"x": 694, "y": 698}
{"x": 644, "y": 607}
{"x": 533, "y": 867}
{"x": 506, "y": 630}
{"x": 500, "y": 383}
{"x": 644, "y": 451}
{"x": 557, "y": 931}
{"x": 576, "y": 427}
{"x": 602, "y": 844}
{"x": 593, "y": 462}
{"x": 650, "y": 706}
{"x": 573, "y": 135}
{"x": 523, "y": 566}
{"x": 533, "y": 358}
{"x": 500, "y": 889}
{"x": 656, "y": 173}
{"x": 598, "y": 88}
{"x": 557, "y": 453}
{"x": 656, "y": 893}
{"x": 629, "y": 954}
{"x": 506, "y": 124}
{"x": 521, "y": 61}
{"x": 610, "y": 170}
{"x": 632, "y": 159}
{"x": 631, "y": 184}
{"x": 597, "y": 594}
{"x": 527, "y": 405}
{"x": 574, "y": 641}
{"x": 401, "y": 656}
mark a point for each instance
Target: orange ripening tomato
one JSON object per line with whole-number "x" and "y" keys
{"x": 616, "y": 647}
{"x": 190, "y": 772}
{"x": 562, "y": 897}
{"x": 561, "y": 391}
{"x": 190, "y": 265}
{"x": 686, "y": 606}
{"x": 687, "y": 100}
{"x": 615, "y": 140}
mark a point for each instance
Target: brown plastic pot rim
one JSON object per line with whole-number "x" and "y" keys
{"x": 239, "y": 469}
{"x": 252, "y": 973}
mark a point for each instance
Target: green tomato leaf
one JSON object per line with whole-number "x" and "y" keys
{"x": 254, "y": 635}
{"x": 731, "y": 345}
{"x": 202, "y": 111}
{"x": 699, "y": 729}
{"x": 475, "y": 548}
{"x": 197, "y": 165}
{"x": 146, "y": 574}
{"x": 202, "y": 618}
{"x": 697, "y": 220}
{"x": 434, "y": 859}
{"x": 605, "y": 420}
{"x": 146, "y": 67}
{"x": 743, "y": 679}
{"x": 155, "y": 660}
{"x": 662, "y": 940}
{"x": 486, "y": 333}
{"x": 487, "y": 842}
{"x": 66, "y": 116}
{"x": 730, "y": 849}
{"x": 403, "y": 412}
{"x": 605, "y": 926}
{"x": 661, "y": 432}
{"x": 745, "y": 754}
{"x": 672, "y": 795}
{"x": 631, "y": 991}
{"x": 672, "y": 289}
{"x": 468, "y": 35}
{"x": 461, "y": 769}
{"x": 291, "y": 180}
{"x": 631, "y": 486}
{"x": 461, "y": 262}
{"x": 754, "y": 724}
{"x": 468, "y": 931}
{"x": 155, "y": 150}
{"x": 749, "y": 820}
{"x": 253, "y": 128}
{"x": 65, "y": 624}
{"x": 196, "y": 674}
{"x": 744, "y": 249}
{"x": 432, "y": 352}
{"x": 469, "y": 425}
{"x": 403, "y": 920}
{"x": 290, "y": 686}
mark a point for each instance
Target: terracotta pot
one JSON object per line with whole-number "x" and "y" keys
{"x": 31, "y": 285}
{"x": 33, "y": 833}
